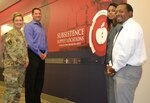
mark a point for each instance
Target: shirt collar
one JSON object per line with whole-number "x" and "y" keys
{"x": 127, "y": 21}
{"x": 38, "y": 23}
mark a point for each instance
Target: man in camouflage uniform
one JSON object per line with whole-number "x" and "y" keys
{"x": 15, "y": 62}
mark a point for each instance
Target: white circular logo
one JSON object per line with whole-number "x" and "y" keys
{"x": 98, "y": 33}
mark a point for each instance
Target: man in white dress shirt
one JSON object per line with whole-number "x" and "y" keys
{"x": 128, "y": 55}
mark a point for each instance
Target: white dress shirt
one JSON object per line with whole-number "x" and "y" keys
{"x": 129, "y": 47}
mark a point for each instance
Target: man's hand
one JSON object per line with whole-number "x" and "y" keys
{"x": 43, "y": 56}
{"x": 110, "y": 71}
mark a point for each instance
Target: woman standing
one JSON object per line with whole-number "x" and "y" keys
{"x": 113, "y": 28}
{"x": 15, "y": 60}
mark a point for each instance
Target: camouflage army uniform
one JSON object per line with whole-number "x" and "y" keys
{"x": 15, "y": 56}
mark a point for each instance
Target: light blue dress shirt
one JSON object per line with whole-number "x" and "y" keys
{"x": 36, "y": 37}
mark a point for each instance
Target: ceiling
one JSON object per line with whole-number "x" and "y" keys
{"x": 4, "y": 4}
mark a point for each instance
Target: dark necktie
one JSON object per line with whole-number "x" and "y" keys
{"x": 117, "y": 35}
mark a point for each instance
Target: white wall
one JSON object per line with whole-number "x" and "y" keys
{"x": 142, "y": 15}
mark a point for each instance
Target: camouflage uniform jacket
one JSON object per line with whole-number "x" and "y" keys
{"x": 15, "y": 49}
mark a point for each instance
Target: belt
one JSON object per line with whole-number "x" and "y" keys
{"x": 128, "y": 65}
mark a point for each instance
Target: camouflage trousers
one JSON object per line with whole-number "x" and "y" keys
{"x": 13, "y": 79}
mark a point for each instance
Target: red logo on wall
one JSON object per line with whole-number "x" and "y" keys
{"x": 98, "y": 33}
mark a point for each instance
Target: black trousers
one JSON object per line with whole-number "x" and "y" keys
{"x": 34, "y": 78}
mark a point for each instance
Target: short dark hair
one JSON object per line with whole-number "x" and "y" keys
{"x": 35, "y": 9}
{"x": 129, "y": 7}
